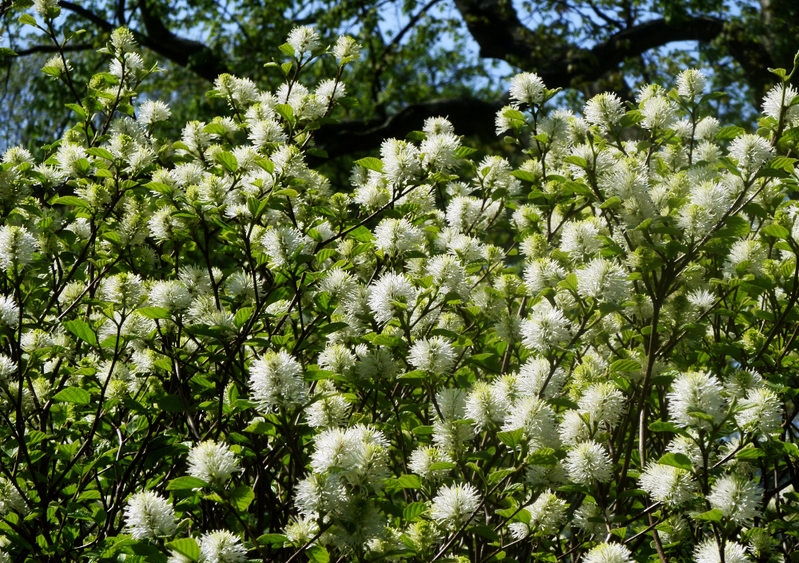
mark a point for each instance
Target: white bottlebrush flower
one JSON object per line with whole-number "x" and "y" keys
{"x": 547, "y": 514}
{"x": 282, "y": 243}
{"x": 736, "y": 497}
{"x": 389, "y": 294}
{"x": 435, "y": 354}
{"x": 602, "y": 403}
{"x": 536, "y": 418}
{"x": 588, "y": 462}
{"x": 423, "y": 459}
{"x": 542, "y": 273}
{"x": 609, "y": 553}
{"x": 751, "y": 151}
{"x": 746, "y": 256}
{"x": 778, "y": 100}
{"x": 527, "y": 88}
{"x": 17, "y": 246}
{"x": 401, "y": 161}
{"x": 170, "y": 294}
{"x": 346, "y": 49}
{"x": 336, "y": 358}
{"x": 603, "y": 280}
{"x": 691, "y": 84}
{"x": 667, "y": 484}
{"x": 493, "y": 176}
{"x": 581, "y": 239}
{"x": 484, "y": 407}
{"x": 265, "y": 132}
{"x": 276, "y": 381}
{"x": 9, "y": 312}
{"x": 538, "y": 377}
{"x": 8, "y": 367}
{"x": 47, "y": 8}
{"x": 696, "y": 392}
{"x": 708, "y": 552}
{"x": 125, "y": 290}
{"x": 304, "y": 40}
{"x": 604, "y": 110}
{"x": 545, "y": 328}
{"x": 448, "y": 274}
{"x": 221, "y": 546}
{"x": 329, "y": 408}
{"x": 658, "y": 113}
{"x": 455, "y": 505}
{"x": 701, "y": 299}
{"x": 438, "y": 151}
{"x": 396, "y": 236}
{"x": 760, "y": 412}
{"x": 148, "y": 515}
{"x": 153, "y": 111}
{"x": 212, "y": 462}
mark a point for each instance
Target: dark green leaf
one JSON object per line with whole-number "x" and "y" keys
{"x": 74, "y": 395}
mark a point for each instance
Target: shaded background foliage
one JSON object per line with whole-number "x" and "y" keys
{"x": 421, "y": 58}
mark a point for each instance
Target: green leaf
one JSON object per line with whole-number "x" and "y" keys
{"x": 361, "y": 234}
{"x": 317, "y": 554}
{"x": 74, "y": 395}
{"x": 511, "y": 438}
{"x": 405, "y": 481}
{"x": 285, "y": 111}
{"x": 662, "y": 426}
{"x": 242, "y": 497}
{"x": 776, "y": 231}
{"x": 228, "y": 161}
{"x": 371, "y": 163}
{"x": 187, "y": 547}
{"x": 153, "y": 312}
{"x": 675, "y": 459}
{"x": 525, "y": 175}
{"x": 413, "y": 510}
{"x": 714, "y": 515}
{"x": 276, "y": 540}
{"x": 749, "y": 454}
{"x": 184, "y": 483}
{"x": 27, "y": 19}
{"x": 82, "y": 330}
{"x": 101, "y": 152}
{"x": 71, "y": 201}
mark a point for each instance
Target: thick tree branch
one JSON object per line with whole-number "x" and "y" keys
{"x": 188, "y": 53}
{"x": 470, "y": 117}
{"x": 500, "y": 34}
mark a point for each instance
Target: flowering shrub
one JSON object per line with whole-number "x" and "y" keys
{"x": 584, "y": 351}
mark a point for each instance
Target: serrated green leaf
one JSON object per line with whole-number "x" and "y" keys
{"x": 242, "y": 497}
{"x": 186, "y": 546}
{"x": 71, "y": 201}
{"x": 662, "y": 426}
{"x": 676, "y": 459}
{"x": 185, "y": 482}
{"x": 524, "y": 175}
{"x": 749, "y": 454}
{"x": 227, "y": 160}
{"x": 715, "y": 515}
{"x": 82, "y": 330}
{"x": 74, "y": 395}
{"x": 153, "y": 312}
{"x": 406, "y": 481}
{"x": 317, "y": 554}
{"x": 27, "y": 19}
{"x": 511, "y": 438}
{"x": 776, "y": 231}
{"x": 276, "y": 540}
{"x": 370, "y": 163}
{"x": 413, "y": 510}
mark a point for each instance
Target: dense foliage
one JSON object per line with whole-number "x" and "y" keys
{"x": 585, "y": 350}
